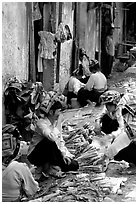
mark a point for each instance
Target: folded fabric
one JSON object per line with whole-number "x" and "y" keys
{"x": 47, "y": 48}
{"x": 119, "y": 143}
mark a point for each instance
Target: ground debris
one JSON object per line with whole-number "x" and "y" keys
{"x": 88, "y": 184}
{"x": 112, "y": 182}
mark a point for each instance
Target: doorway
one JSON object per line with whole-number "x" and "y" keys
{"x": 45, "y": 72}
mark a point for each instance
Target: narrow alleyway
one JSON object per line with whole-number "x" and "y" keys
{"x": 87, "y": 185}
{"x": 43, "y": 43}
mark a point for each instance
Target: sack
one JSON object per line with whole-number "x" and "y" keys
{"x": 66, "y": 90}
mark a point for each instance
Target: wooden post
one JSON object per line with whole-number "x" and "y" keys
{"x": 58, "y": 45}
{"x": 125, "y": 29}
{"x": 100, "y": 30}
{"x": 75, "y": 46}
{"x": 77, "y": 33}
{"x": 32, "y": 71}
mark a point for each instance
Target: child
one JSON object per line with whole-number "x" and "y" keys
{"x": 74, "y": 85}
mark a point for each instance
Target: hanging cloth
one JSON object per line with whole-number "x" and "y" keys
{"x": 63, "y": 33}
{"x": 47, "y": 45}
{"x": 36, "y": 12}
{"x": 39, "y": 60}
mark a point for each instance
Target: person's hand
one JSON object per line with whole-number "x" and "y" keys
{"x": 103, "y": 160}
{"x": 97, "y": 131}
{"x": 100, "y": 159}
{"x": 83, "y": 85}
{"x": 24, "y": 146}
{"x": 97, "y": 128}
{"x": 67, "y": 160}
{"x": 83, "y": 77}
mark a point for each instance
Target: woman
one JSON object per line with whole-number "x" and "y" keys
{"x": 95, "y": 86}
{"x": 78, "y": 78}
{"x": 47, "y": 148}
{"x": 74, "y": 85}
{"x": 121, "y": 131}
{"x": 17, "y": 179}
{"x": 83, "y": 70}
{"x": 110, "y": 50}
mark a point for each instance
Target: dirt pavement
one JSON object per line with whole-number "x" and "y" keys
{"x": 129, "y": 190}
{"x": 119, "y": 80}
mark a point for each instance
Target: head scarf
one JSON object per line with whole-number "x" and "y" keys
{"x": 14, "y": 83}
{"x": 82, "y": 53}
{"x": 110, "y": 96}
{"x": 10, "y": 135}
{"x": 8, "y": 144}
{"x": 50, "y": 99}
{"x": 94, "y": 65}
{"x": 12, "y": 146}
{"x": 93, "y": 62}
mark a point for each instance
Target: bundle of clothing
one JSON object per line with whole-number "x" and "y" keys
{"x": 22, "y": 98}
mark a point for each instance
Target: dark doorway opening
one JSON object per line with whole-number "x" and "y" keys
{"x": 38, "y": 26}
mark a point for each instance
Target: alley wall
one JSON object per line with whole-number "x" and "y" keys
{"x": 14, "y": 42}
{"x": 89, "y": 30}
{"x": 119, "y": 18}
{"x": 66, "y": 47}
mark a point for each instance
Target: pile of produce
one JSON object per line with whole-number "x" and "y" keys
{"x": 80, "y": 143}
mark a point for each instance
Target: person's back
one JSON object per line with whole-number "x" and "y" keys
{"x": 100, "y": 81}
{"x": 15, "y": 177}
{"x": 97, "y": 81}
{"x": 74, "y": 85}
{"x": 95, "y": 86}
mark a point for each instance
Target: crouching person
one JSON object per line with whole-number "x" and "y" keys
{"x": 74, "y": 85}
{"x": 17, "y": 179}
{"x": 47, "y": 148}
{"x": 95, "y": 86}
{"x": 120, "y": 130}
